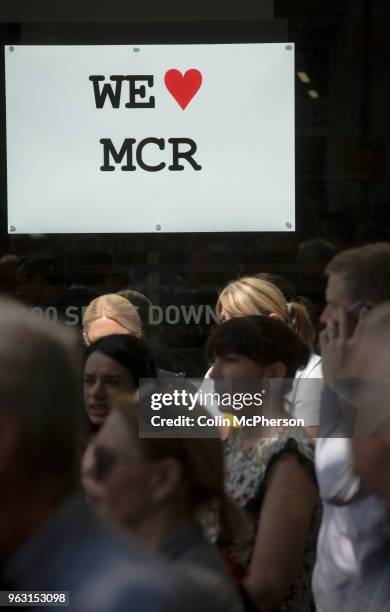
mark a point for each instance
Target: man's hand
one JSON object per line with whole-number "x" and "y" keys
{"x": 337, "y": 343}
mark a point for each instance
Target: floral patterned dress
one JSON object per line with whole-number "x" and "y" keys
{"x": 245, "y": 482}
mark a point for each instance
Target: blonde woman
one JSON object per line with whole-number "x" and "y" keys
{"x": 253, "y": 296}
{"x": 115, "y": 314}
{"x": 110, "y": 314}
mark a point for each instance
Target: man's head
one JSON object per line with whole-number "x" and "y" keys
{"x": 360, "y": 275}
{"x": 370, "y": 358}
{"x": 39, "y": 279}
{"x": 370, "y": 361}
{"x": 39, "y": 402}
{"x": 312, "y": 258}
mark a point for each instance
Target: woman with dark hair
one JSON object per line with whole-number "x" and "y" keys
{"x": 113, "y": 364}
{"x": 269, "y": 470}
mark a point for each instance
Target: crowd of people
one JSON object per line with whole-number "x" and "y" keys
{"x": 290, "y": 516}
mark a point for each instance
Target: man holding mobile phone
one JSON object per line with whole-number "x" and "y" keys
{"x": 370, "y": 361}
{"x": 358, "y": 280}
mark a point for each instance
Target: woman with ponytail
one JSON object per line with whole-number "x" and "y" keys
{"x": 157, "y": 489}
{"x": 256, "y": 296}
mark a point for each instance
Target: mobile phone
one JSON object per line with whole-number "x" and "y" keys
{"x": 353, "y": 312}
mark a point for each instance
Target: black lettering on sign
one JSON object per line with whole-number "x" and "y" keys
{"x": 187, "y": 155}
{"x": 114, "y": 94}
{"x": 161, "y": 145}
{"x": 139, "y": 91}
{"x": 107, "y": 90}
{"x": 109, "y": 149}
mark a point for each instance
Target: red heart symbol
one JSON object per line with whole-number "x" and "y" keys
{"x": 183, "y": 87}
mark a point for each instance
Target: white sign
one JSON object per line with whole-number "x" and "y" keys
{"x": 170, "y": 138}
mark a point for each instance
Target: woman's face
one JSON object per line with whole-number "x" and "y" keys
{"x": 234, "y": 374}
{"x": 235, "y": 366}
{"x": 119, "y": 476}
{"x": 225, "y": 315}
{"x": 102, "y": 327}
{"x": 103, "y": 378}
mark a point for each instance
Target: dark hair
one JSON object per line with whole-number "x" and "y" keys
{"x": 365, "y": 271}
{"x": 131, "y": 352}
{"x": 89, "y": 260}
{"x": 262, "y": 339}
{"x": 341, "y": 226}
{"x": 317, "y": 251}
{"x": 140, "y": 302}
{"x": 201, "y": 458}
{"x": 46, "y": 265}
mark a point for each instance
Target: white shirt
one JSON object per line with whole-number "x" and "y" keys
{"x": 348, "y": 534}
{"x": 303, "y": 401}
